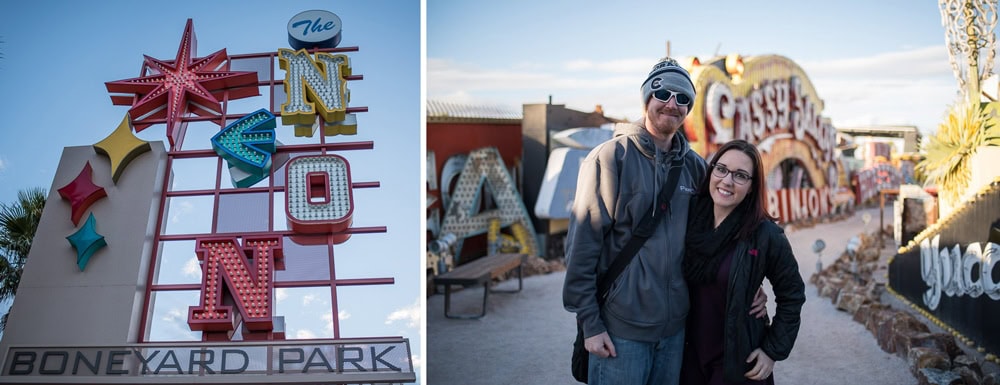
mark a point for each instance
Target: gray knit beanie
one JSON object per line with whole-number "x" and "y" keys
{"x": 670, "y": 75}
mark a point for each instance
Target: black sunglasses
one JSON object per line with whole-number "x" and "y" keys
{"x": 665, "y": 95}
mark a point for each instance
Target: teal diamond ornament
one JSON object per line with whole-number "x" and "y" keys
{"x": 86, "y": 241}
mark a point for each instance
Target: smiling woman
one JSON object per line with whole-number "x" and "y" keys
{"x": 732, "y": 245}
{"x": 728, "y": 187}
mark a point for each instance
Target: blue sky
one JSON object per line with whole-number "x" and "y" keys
{"x": 57, "y": 55}
{"x": 872, "y": 62}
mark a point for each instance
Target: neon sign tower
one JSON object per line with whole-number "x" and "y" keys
{"x": 252, "y": 215}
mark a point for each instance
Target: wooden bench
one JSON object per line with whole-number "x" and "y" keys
{"x": 480, "y": 271}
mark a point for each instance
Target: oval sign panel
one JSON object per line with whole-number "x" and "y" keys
{"x": 314, "y": 29}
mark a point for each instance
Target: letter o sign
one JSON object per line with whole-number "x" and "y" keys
{"x": 318, "y": 195}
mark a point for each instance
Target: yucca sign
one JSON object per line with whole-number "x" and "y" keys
{"x": 955, "y": 273}
{"x": 950, "y": 271}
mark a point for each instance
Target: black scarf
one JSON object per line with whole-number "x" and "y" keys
{"x": 706, "y": 246}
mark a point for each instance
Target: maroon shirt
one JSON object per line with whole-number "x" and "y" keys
{"x": 703, "y": 346}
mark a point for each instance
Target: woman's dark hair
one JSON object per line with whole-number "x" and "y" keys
{"x": 755, "y": 203}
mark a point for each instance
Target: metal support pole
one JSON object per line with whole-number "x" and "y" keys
{"x": 881, "y": 214}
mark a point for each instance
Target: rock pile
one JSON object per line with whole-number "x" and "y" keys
{"x": 855, "y": 284}
{"x": 537, "y": 266}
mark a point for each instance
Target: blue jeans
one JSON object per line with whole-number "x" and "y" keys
{"x": 640, "y": 363}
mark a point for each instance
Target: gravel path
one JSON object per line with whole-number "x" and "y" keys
{"x": 832, "y": 348}
{"x": 526, "y": 338}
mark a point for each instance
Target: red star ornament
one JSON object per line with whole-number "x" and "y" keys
{"x": 82, "y": 192}
{"x": 172, "y": 89}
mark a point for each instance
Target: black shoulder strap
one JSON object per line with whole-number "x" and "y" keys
{"x": 642, "y": 232}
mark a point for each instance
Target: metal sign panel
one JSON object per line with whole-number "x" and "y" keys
{"x": 314, "y": 29}
{"x": 950, "y": 271}
{"x": 383, "y": 360}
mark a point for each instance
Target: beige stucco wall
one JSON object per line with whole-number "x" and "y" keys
{"x": 59, "y": 305}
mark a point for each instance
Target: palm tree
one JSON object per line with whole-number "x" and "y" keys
{"x": 18, "y": 222}
{"x": 949, "y": 151}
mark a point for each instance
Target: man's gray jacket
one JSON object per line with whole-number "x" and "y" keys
{"x": 618, "y": 182}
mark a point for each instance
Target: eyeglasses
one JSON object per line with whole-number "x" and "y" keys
{"x": 665, "y": 95}
{"x": 739, "y": 177}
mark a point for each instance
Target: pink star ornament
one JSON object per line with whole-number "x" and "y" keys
{"x": 172, "y": 89}
{"x": 82, "y": 192}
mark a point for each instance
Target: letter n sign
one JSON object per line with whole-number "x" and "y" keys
{"x": 251, "y": 284}
{"x": 314, "y": 87}
{"x": 319, "y": 199}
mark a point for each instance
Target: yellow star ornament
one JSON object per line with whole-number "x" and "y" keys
{"x": 121, "y": 147}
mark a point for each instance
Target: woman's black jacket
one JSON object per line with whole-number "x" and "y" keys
{"x": 766, "y": 254}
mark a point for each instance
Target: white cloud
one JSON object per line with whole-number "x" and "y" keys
{"x": 328, "y": 317}
{"x": 192, "y": 268}
{"x": 303, "y": 334}
{"x": 905, "y": 87}
{"x": 174, "y": 314}
{"x": 623, "y": 66}
{"x": 417, "y": 362}
{"x": 173, "y": 327}
{"x": 185, "y": 207}
{"x": 308, "y": 299}
{"x": 342, "y": 315}
{"x": 410, "y": 313}
{"x": 444, "y": 76}
{"x": 578, "y": 84}
{"x": 281, "y": 294}
{"x": 3, "y": 163}
{"x": 909, "y": 65}
{"x": 910, "y": 87}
